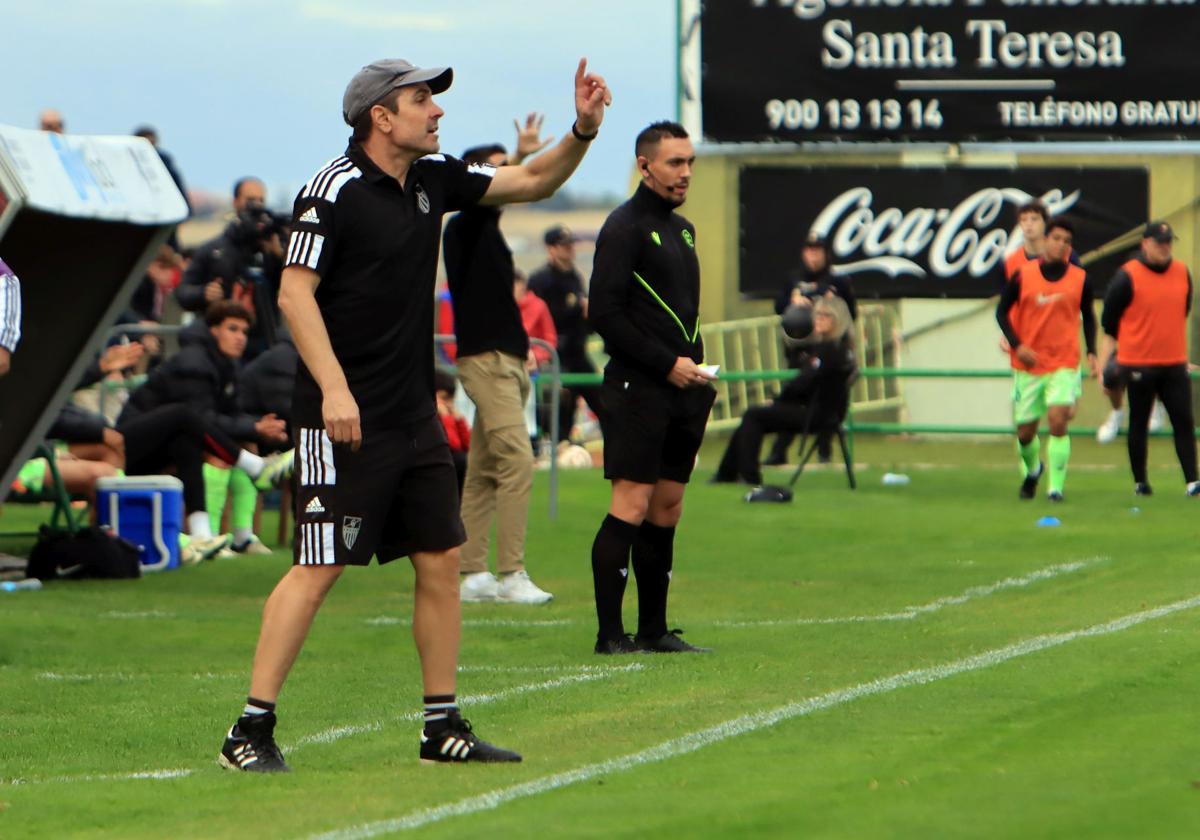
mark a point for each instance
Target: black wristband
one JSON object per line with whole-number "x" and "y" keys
{"x": 582, "y": 138}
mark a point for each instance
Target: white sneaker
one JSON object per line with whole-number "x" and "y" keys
{"x": 478, "y": 586}
{"x": 1108, "y": 430}
{"x": 199, "y": 549}
{"x": 1158, "y": 418}
{"x": 252, "y": 546}
{"x": 517, "y": 588}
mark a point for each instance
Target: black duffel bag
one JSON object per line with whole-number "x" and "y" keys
{"x": 88, "y": 553}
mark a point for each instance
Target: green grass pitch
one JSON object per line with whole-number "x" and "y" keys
{"x": 899, "y": 661}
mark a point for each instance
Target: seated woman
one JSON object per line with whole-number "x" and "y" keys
{"x": 821, "y": 385}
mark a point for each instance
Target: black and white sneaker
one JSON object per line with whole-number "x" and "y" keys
{"x": 1142, "y": 489}
{"x": 614, "y": 647}
{"x": 668, "y": 643}
{"x": 251, "y": 746}
{"x": 1029, "y": 485}
{"x": 457, "y": 743}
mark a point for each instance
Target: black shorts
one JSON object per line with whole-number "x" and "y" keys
{"x": 652, "y": 432}
{"x": 398, "y": 494}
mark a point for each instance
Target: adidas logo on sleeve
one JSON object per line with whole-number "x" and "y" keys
{"x": 310, "y": 216}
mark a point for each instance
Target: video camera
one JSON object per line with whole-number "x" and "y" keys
{"x": 255, "y": 223}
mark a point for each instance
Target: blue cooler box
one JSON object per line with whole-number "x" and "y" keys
{"x": 147, "y": 510}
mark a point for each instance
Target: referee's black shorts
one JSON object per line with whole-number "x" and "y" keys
{"x": 397, "y": 495}
{"x": 652, "y": 431}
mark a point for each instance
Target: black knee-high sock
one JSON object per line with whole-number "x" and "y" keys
{"x": 653, "y": 555}
{"x": 610, "y": 571}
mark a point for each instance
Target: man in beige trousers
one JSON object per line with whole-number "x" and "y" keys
{"x": 493, "y": 359}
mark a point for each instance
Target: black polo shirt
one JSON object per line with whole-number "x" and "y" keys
{"x": 375, "y": 247}
{"x": 479, "y": 272}
{"x": 645, "y": 299}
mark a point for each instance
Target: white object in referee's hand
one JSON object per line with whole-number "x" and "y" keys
{"x": 709, "y": 370}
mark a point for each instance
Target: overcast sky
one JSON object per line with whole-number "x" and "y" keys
{"x": 239, "y": 87}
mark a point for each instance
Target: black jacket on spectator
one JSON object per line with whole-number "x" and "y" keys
{"x": 267, "y": 382}
{"x": 204, "y": 380}
{"x": 814, "y": 285}
{"x": 563, "y": 293}
{"x": 235, "y": 261}
{"x": 823, "y": 373}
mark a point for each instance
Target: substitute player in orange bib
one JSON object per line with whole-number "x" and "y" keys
{"x": 1039, "y": 312}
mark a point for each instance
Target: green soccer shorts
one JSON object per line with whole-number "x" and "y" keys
{"x": 1034, "y": 392}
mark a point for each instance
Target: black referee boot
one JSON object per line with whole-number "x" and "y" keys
{"x": 621, "y": 644}
{"x": 251, "y": 746}
{"x": 669, "y": 642}
{"x": 457, "y": 743}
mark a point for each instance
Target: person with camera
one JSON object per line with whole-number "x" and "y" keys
{"x": 243, "y": 264}
{"x": 814, "y": 398}
{"x": 812, "y": 280}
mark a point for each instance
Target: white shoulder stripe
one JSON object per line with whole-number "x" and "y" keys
{"x": 337, "y": 161}
{"x": 330, "y": 180}
{"x": 438, "y": 158}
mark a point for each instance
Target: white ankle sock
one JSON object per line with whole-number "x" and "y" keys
{"x": 199, "y": 526}
{"x": 251, "y": 463}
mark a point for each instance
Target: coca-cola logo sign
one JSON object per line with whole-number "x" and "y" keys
{"x": 923, "y": 233}
{"x": 964, "y": 238}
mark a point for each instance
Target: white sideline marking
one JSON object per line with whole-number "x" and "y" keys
{"x": 386, "y": 620}
{"x": 594, "y": 672}
{"x": 546, "y": 669}
{"x": 122, "y": 677}
{"x": 748, "y": 723}
{"x": 909, "y": 613}
{"x": 52, "y": 675}
{"x": 468, "y": 701}
{"x": 107, "y": 777}
{"x": 140, "y": 614}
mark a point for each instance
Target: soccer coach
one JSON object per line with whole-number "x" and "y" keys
{"x": 645, "y": 303}
{"x": 374, "y": 472}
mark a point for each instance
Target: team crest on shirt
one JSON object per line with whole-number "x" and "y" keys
{"x": 422, "y": 200}
{"x": 687, "y": 237}
{"x": 351, "y": 525}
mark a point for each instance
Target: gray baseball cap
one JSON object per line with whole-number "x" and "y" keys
{"x": 378, "y": 78}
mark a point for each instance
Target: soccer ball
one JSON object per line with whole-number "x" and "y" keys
{"x": 574, "y": 458}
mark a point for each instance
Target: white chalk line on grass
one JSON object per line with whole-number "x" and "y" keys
{"x": 590, "y": 673}
{"x": 468, "y": 702}
{"x": 388, "y": 620}
{"x": 909, "y": 613}
{"x": 749, "y": 723}
{"x": 117, "y": 676}
{"x": 137, "y": 614}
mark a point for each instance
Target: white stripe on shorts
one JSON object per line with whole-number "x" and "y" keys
{"x": 316, "y": 458}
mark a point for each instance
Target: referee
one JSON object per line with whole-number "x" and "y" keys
{"x": 374, "y": 472}
{"x": 1145, "y": 316}
{"x": 645, "y": 303}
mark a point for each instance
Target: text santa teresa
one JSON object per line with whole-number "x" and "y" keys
{"x": 996, "y": 47}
